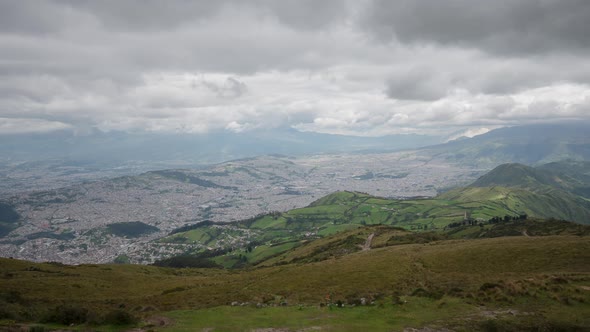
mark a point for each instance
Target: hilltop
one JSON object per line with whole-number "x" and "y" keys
{"x": 556, "y": 190}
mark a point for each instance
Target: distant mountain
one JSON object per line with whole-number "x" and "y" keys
{"x": 118, "y": 147}
{"x": 530, "y": 145}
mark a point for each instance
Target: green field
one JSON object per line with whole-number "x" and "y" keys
{"x": 344, "y": 211}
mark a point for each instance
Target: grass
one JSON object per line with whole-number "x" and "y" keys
{"x": 436, "y": 284}
{"x": 338, "y": 212}
{"x": 384, "y": 316}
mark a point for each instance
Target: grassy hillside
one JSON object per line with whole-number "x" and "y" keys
{"x": 518, "y": 175}
{"x": 509, "y": 190}
{"x": 574, "y": 176}
{"x": 251, "y": 241}
{"x": 531, "y": 282}
{"x": 555, "y": 190}
{"x": 551, "y": 203}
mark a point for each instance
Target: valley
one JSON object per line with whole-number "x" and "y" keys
{"x": 69, "y": 224}
{"x": 404, "y": 241}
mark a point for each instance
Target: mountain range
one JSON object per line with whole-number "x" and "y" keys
{"x": 125, "y": 216}
{"x": 529, "y": 145}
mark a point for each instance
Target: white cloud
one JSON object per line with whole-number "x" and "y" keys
{"x": 25, "y": 126}
{"x": 245, "y": 66}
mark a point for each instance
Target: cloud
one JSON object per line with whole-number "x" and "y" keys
{"x": 417, "y": 84}
{"x": 350, "y": 67}
{"x": 472, "y": 132}
{"x": 24, "y": 126}
{"x": 231, "y": 88}
{"x": 501, "y": 27}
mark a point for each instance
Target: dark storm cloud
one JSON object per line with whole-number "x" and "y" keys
{"x": 501, "y": 27}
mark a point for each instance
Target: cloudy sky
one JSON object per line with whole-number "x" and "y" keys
{"x": 349, "y": 67}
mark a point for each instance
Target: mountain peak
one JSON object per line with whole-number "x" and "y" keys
{"x": 516, "y": 175}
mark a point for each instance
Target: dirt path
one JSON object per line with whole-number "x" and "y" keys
{"x": 367, "y": 245}
{"x": 525, "y": 233}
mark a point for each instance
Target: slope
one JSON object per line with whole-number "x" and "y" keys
{"x": 531, "y": 145}
{"x": 546, "y": 277}
{"x": 510, "y": 191}
{"x": 549, "y": 191}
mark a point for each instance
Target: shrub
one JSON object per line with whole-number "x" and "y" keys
{"x": 119, "y": 317}
{"x": 489, "y": 285}
{"x": 421, "y": 292}
{"x": 11, "y": 296}
{"x": 67, "y": 315}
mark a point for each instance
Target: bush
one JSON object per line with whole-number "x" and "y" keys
{"x": 67, "y": 315}
{"x": 432, "y": 294}
{"x": 119, "y": 317}
{"x": 489, "y": 285}
{"x": 11, "y": 297}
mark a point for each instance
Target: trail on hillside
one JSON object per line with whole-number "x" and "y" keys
{"x": 367, "y": 245}
{"x": 525, "y": 233}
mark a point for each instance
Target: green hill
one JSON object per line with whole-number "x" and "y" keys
{"x": 510, "y": 191}
{"x": 518, "y": 175}
{"x": 574, "y": 176}
{"x": 549, "y": 191}
{"x": 552, "y": 203}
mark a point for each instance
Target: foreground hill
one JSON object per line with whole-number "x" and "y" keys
{"x": 506, "y": 283}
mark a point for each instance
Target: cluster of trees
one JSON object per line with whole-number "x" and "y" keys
{"x": 469, "y": 222}
{"x": 507, "y": 218}
{"x": 187, "y": 261}
{"x": 493, "y": 220}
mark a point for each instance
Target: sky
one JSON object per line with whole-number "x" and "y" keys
{"x": 358, "y": 67}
